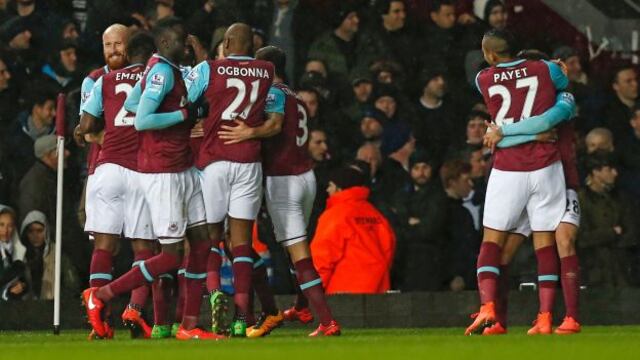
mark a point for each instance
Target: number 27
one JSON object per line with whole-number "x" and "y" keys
{"x": 530, "y": 82}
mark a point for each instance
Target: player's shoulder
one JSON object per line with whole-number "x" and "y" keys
{"x": 95, "y": 74}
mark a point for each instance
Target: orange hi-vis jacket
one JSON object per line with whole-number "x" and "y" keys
{"x": 353, "y": 245}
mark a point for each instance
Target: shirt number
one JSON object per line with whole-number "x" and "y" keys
{"x": 123, "y": 117}
{"x": 302, "y": 124}
{"x": 531, "y": 83}
{"x": 231, "y": 112}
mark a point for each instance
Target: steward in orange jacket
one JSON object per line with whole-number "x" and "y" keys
{"x": 354, "y": 244}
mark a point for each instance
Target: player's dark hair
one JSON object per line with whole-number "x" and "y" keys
{"x": 141, "y": 45}
{"x": 165, "y": 25}
{"x": 383, "y": 6}
{"x": 274, "y": 55}
{"x": 532, "y": 54}
{"x": 437, "y": 4}
{"x": 618, "y": 69}
{"x": 509, "y": 41}
{"x": 452, "y": 170}
{"x": 478, "y": 114}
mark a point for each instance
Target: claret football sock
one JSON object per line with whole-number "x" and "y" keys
{"x": 261, "y": 285}
{"x": 100, "y": 268}
{"x": 214, "y": 262}
{"x": 242, "y": 271}
{"x": 311, "y": 285}
{"x": 570, "y": 280}
{"x": 182, "y": 290}
{"x": 548, "y": 266}
{"x": 161, "y": 290}
{"x": 502, "y": 303}
{"x": 195, "y": 274}
{"x": 146, "y": 271}
{"x": 488, "y": 271}
{"x": 140, "y": 294}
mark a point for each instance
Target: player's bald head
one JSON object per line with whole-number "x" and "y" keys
{"x": 116, "y": 31}
{"x": 238, "y": 40}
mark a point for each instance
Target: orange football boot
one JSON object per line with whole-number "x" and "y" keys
{"x": 197, "y": 334}
{"x": 495, "y": 329}
{"x": 485, "y": 318}
{"x": 94, "y": 307}
{"x": 132, "y": 319}
{"x": 569, "y": 326}
{"x": 333, "y": 329}
{"x": 303, "y": 315}
{"x": 542, "y": 324}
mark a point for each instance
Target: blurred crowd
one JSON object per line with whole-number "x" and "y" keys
{"x": 386, "y": 82}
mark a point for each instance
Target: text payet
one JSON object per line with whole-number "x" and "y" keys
{"x": 509, "y": 75}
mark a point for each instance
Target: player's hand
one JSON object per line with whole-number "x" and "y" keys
{"x": 235, "y": 134}
{"x": 548, "y": 136}
{"x": 198, "y": 130}
{"x": 79, "y": 137}
{"x": 94, "y": 138}
{"x": 199, "y": 52}
{"x": 196, "y": 111}
{"x": 493, "y": 136}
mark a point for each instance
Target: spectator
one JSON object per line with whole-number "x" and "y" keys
{"x": 476, "y": 127}
{"x": 440, "y": 50}
{"x": 322, "y": 165}
{"x": 388, "y": 38}
{"x": 61, "y": 70}
{"x": 33, "y": 16}
{"x": 388, "y": 72}
{"x": 608, "y": 228}
{"x": 362, "y": 87}
{"x": 619, "y": 109}
{"x": 629, "y": 157}
{"x": 6, "y": 181}
{"x": 420, "y": 229}
{"x": 12, "y": 252}
{"x": 474, "y": 155}
{"x": 337, "y": 47}
{"x": 8, "y": 96}
{"x": 599, "y": 139}
{"x": 351, "y": 236}
{"x": 20, "y": 55}
{"x": 433, "y": 124}
{"x": 40, "y": 259}
{"x": 27, "y": 128}
{"x": 462, "y": 237}
{"x": 372, "y": 126}
{"x": 38, "y": 186}
{"x": 311, "y": 99}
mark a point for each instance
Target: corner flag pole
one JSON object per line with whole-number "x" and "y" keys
{"x": 60, "y": 129}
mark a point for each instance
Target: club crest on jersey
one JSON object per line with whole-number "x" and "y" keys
{"x": 173, "y": 227}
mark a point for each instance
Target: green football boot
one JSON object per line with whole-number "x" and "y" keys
{"x": 174, "y": 329}
{"x": 161, "y": 331}
{"x": 222, "y": 312}
{"x": 239, "y": 328}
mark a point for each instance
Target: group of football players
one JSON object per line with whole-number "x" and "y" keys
{"x": 180, "y": 159}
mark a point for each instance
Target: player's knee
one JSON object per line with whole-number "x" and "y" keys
{"x": 105, "y": 242}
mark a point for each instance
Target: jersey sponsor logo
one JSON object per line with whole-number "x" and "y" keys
{"x": 84, "y": 96}
{"x": 157, "y": 80}
{"x": 271, "y": 98}
{"x": 192, "y": 76}
{"x": 245, "y": 72}
{"x": 567, "y": 97}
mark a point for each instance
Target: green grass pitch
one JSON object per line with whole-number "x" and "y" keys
{"x": 603, "y": 342}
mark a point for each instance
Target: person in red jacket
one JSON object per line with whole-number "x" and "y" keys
{"x": 354, "y": 244}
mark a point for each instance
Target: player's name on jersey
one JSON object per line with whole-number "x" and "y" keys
{"x": 128, "y": 76}
{"x": 509, "y": 75}
{"x": 243, "y": 71}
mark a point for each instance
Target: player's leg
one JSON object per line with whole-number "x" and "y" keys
{"x": 513, "y": 243}
{"x": 503, "y": 210}
{"x": 569, "y": 267}
{"x": 546, "y": 208}
{"x": 548, "y": 266}
{"x": 132, "y": 316}
{"x": 245, "y": 197}
{"x": 270, "y": 317}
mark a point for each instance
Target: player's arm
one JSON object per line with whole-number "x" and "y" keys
{"x": 563, "y": 109}
{"x": 133, "y": 99}
{"x": 159, "y": 83}
{"x": 197, "y": 81}
{"x": 274, "y": 110}
{"x": 558, "y": 77}
{"x": 85, "y": 90}
{"x": 91, "y": 114}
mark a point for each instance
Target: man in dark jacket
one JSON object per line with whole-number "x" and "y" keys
{"x": 629, "y": 155}
{"x": 617, "y": 114}
{"x": 462, "y": 238}
{"x": 26, "y": 129}
{"x": 420, "y": 229}
{"x": 608, "y": 235}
